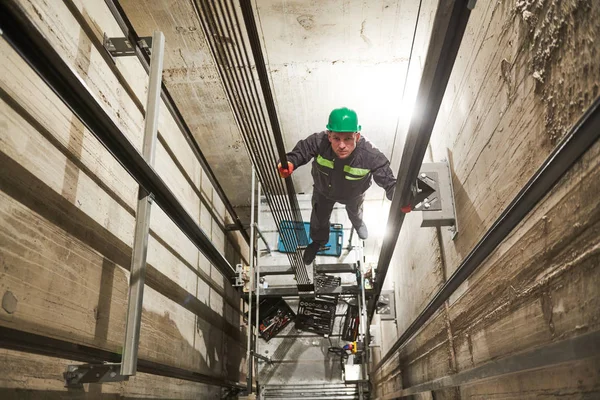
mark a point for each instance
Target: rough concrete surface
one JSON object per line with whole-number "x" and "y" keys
{"x": 526, "y": 72}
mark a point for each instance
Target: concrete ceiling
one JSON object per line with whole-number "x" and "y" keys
{"x": 320, "y": 55}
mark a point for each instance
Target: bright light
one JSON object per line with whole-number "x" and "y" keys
{"x": 376, "y": 216}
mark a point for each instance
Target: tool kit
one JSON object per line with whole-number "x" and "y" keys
{"x": 274, "y": 315}
{"x": 351, "y": 323}
{"x": 316, "y": 314}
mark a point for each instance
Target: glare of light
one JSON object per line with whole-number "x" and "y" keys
{"x": 376, "y": 219}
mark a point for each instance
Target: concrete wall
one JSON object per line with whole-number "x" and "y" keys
{"x": 525, "y": 73}
{"x": 67, "y": 213}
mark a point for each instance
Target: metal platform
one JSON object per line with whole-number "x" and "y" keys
{"x": 292, "y": 291}
{"x": 321, "y": 268}
{"x": 311, "y": 391}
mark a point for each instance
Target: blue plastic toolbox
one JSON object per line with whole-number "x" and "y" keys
{"x": 333, "y": 247}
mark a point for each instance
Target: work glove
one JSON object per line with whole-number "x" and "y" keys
{"x": 284, "y": 173}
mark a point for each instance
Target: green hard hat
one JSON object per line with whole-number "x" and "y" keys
{"x": 343, "y": 120}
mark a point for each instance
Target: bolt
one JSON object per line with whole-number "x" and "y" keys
{"x": 423, "y": 175}
{"x": 427, "y": 205}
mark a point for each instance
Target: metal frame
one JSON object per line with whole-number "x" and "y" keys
{"x": 581, "y": 137}
{"x": 77, "y": 375}
{"x": 320, "y": 268}
{"x": 262, "y": 237}
{"x": 573, "y": 349}
{"x": 25, "y": 39}
{"x": 261, "y": 357}
{"x": 18, "y": 340}
{"x": 142, "y": 216}
{"x": 251, "y": 272}
{"x": 120, "y": 46}
{"x": 438, "y": 207}
{"x": 292, "y": 291}
{"x": 257, "y": 285}
{"x": 129, "y": 32}
{"x": 448, "y": 28}
{"x": 333, "y": 391}
{"x": 391, "y": 316}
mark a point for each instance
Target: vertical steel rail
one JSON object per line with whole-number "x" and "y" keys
{"x": 363, "y": 314}
{"x": 261, "y": 236}
{"x": 130, "y": 33}
{"x": 448, "y": 28}
{"x": 257, "y": 275}
{"x": 249, "y": 357}
{"x": 142, "y": 220}
{"x": 350, "y": 238}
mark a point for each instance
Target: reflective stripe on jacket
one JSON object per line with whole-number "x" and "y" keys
{"x": 341, "y": 179}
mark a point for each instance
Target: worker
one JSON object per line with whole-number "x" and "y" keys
{"x": 344, "y": 163}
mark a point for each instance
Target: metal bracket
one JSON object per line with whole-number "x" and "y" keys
{"x": 241, "y": 277}
{"x": 260, "y": 357}
{"x": 386, "y": 305}
{"x": 435, "y": 196}
{"x": 77, "y": 375}
{"x": 121, "y": 47}
{"x": 424, "y": 191}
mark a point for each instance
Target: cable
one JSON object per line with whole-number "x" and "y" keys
{"x": 222, "y": 27}
{"x": 412, "y": 45}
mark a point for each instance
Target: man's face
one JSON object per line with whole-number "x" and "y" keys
{"x": 343, "y": 143}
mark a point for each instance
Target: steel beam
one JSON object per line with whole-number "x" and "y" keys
{"x": 292, "y": 291}
{"x": 262, "y": 237}
{"x": 251, "y": 273}
{"x": 573, "y": 349}
{"x": 449, "y": 26}
{"x": 24, "y": 37}
{"x": 582, "y": 136}
{"x": 137, "y": 274}
{"x": 257, "y": 280}
{"x": 17, "y": 340}
{"x": 134, "y": 39}
{"x": 321, "y": 268}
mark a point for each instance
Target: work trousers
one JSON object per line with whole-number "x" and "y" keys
{"x": 322, "y": 206}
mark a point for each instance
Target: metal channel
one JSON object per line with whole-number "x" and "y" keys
{"x": 17, "y": 340}
{"x": 333, "y": 391}
{"x": 262, "y": 237}
{"x": 257, "y": 284}
{"x": 363, "y": 322}
{"x": 129, "y": 32}
{"x": 25, "y": 39}
{"x": 569, "y": 350}
{"x": 321, "y": 268}
{"x": 581, "y": 137}
{"x": 249, "y": 359}
{"x": 292, "y": 291}
{"x": 448, "y": 28}
{"x": 137, "y": 274}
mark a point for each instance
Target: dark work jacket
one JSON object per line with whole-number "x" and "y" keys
{"x": 343, "y": 179}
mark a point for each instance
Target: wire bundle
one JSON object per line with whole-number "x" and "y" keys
{"x": 226, "y": 41}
